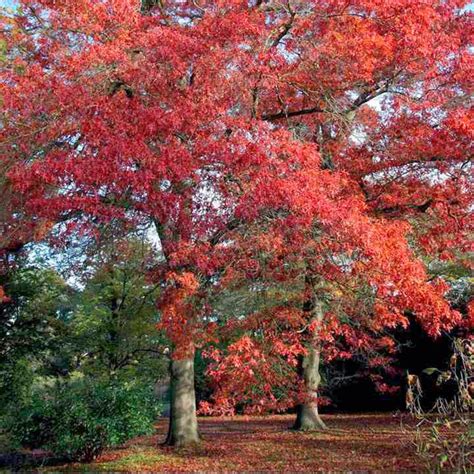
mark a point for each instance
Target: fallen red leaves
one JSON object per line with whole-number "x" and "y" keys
{"x": 355, "y": 442}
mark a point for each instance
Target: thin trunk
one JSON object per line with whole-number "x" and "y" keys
{"x": 307, "y": 415}
{"x": 183, "y": 426}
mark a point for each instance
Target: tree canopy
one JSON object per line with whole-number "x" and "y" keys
{"x": 324, "y": 144}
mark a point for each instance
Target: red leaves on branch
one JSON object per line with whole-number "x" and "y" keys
{"x": 259, "y": 139}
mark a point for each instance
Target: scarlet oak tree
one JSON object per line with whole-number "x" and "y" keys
{"x": 221, "y": 137}
{"x": 331, "y": 289}
{"x": 411, "y": 156}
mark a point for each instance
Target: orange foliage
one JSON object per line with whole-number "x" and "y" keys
{"x": 314, "y": 133}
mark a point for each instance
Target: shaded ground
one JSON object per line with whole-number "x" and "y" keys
{"x": 355, "y": 442}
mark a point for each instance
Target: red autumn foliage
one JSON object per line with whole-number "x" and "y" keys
{"x": 315, "y": 133}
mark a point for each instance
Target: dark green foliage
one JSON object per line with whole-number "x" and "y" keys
{"x": 201, "y": 379}
{"x": 33, "y": 319}
{"x": 33, "y": 326}
{"x": 79, "y": 419}
{"x": 78, "y": 366}
{"x": 113, "y": 329}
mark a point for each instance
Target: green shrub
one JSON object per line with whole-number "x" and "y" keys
{"x": 16, "y": 380}
{"x": 79, "y": 419}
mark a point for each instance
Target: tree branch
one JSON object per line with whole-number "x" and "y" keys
{"x": 291, "y": 113}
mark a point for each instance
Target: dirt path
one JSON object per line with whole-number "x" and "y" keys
{"x": 356, "y": 442}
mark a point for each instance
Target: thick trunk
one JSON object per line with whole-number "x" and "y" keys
{"x": 183, "y": 427}
{"x": 307, "y": 416}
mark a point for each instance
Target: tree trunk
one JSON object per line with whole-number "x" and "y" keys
{"x": 307, "y": 415}
{"x": 183, "y": 427}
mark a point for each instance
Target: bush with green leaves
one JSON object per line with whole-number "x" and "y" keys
{"x": 78, "y": 419}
